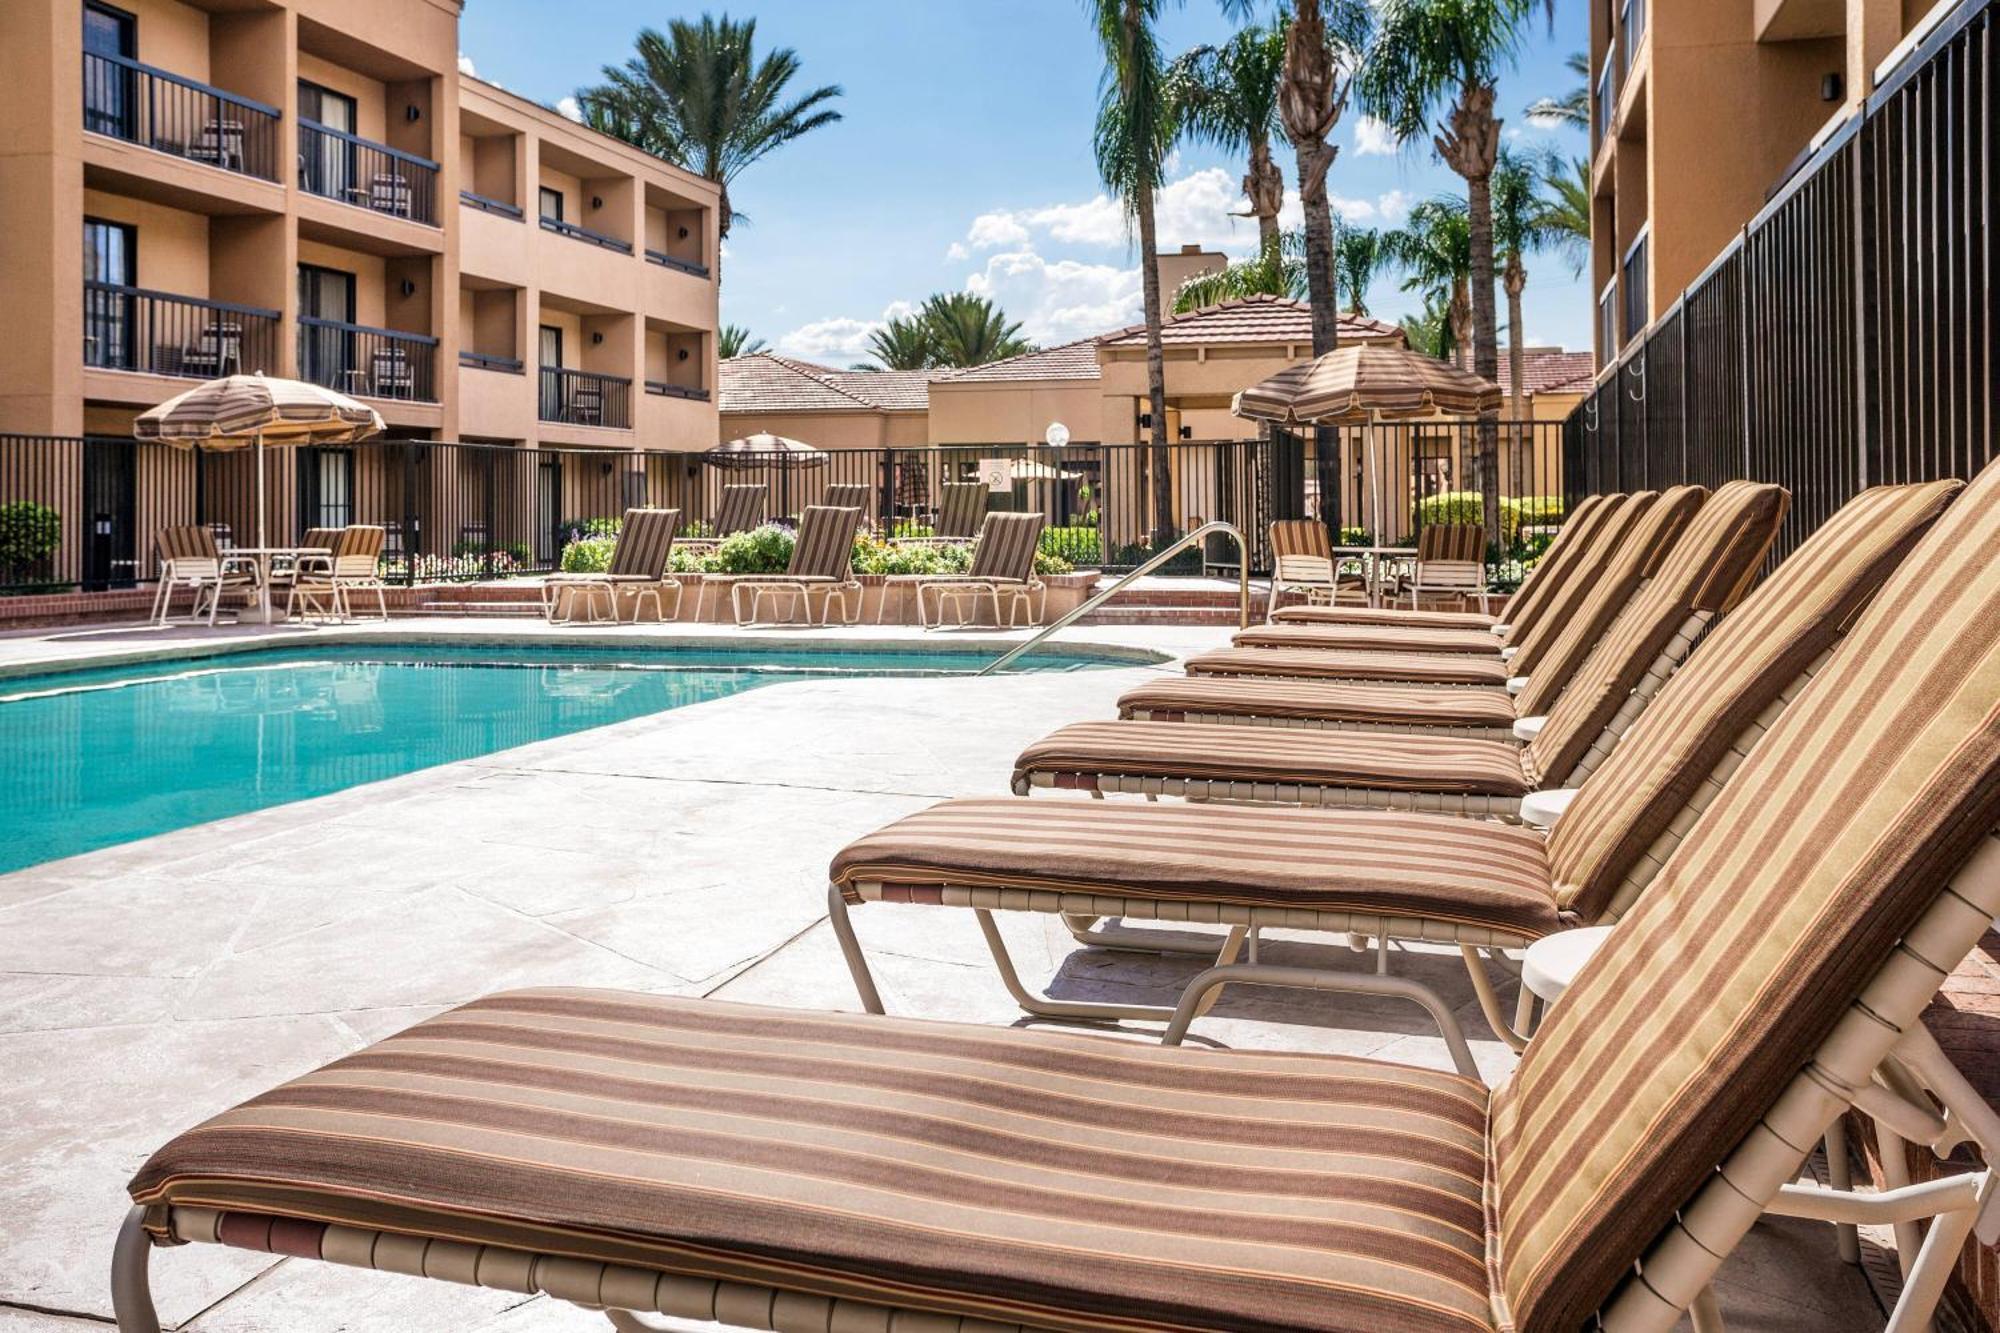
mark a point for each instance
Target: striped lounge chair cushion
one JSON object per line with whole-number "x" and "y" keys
{"x": 1473, "y": 872}
{"x": 847, "y": 495}
{"x": 962, "y": 508}
{"x": 644, "y": 543}
{"x": 825, "y": 545}
{"x": 1372, "y": 638}
{"x": 1741, "y": 668}
{"x": 1383, "y": 616}
{"x": 1007, "y": 545}
{"x": 1300, "y": 536}
{"x": 1319, "y": 700}
{"x": 1381, "y": 761}
{"x": 1306, "y": 663}
{"x": 1463, "y": 543}
{"x": 742, "y": 508}
{"x": 1706, "y": 571}
{"x": 1842, "y": 826}
{"x": 1064, "y": 1181}
{"x": 192, "y": 541}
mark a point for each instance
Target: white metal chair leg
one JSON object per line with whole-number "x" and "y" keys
{"x": 1010, "y": 977}
{"x": 850, "y": 949}
{"x": 1840, "y": 1176}
{"x": 131, "y": 1289}
{"x": 1706, "y": 1312}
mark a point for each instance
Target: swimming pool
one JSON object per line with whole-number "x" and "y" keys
{"x": 101, "y": 756}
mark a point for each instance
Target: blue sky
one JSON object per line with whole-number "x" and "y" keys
{"x": 964, "y": 161}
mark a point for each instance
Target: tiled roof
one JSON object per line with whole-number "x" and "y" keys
{"x": 1252, "y": 319}
{"x": 891, "y": 390}
{"x": 767, "y": 382}
{"x": 1069, "y": 361}
{"x": 1552, "y": 370}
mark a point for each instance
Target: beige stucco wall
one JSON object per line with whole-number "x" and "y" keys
{"x": 1014, "y": 412}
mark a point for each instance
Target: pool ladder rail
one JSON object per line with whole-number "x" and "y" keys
{"x": 1103, "y": 595}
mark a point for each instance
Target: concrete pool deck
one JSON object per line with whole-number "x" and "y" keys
{"x": 146, "y": 986}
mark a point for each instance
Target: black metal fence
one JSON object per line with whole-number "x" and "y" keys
{"x": 1847, "y": 338}
{"x": 170, "y": 114}
{"x": 585, "y": 398}
{"x": 84, "y": 511}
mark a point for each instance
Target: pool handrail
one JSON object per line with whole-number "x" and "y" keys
{"x": 1103, "y": 595}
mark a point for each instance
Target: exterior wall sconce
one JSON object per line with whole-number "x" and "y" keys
{"x": 1145, "y": 421}
{"x": 597, "y": 201}
{"x": 684, "y": 233}
{"x": 413, "y": 113}
{"x": 1187, "y": 432}
{"x": 408, "y": 288}
{"x": 597, "y": 339}
{"x": 1832, "y": 88}
{"x": 681, "y": 355}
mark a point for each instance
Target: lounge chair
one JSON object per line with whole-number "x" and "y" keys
{"x": 638, "y": 568}
{"x": 321, "y": 539}
{"x": 773, "y": 1168}
{"x": 1635, "y": 538}
{"x": 1450, "y": 563}
{"x": 326, "y": 587}
{"x": 741, "y": 509}
{"x": 848, "y": 495}
{"x": 1704, "y": 574}
{"x": 822, "y": 566}
{"x": 190, "y": 559}
{"x": 1422, "y": 875}
{"x": 1002, "y": 574}
{"x": 961, "y": 509}
{"x": 1302, "y": 563}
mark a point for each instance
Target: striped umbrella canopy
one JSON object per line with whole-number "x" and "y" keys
{"x": 257, "y": 411}
{"x": 1356, "y": 385}
{"x": 764, "y": 450}
{"x": 239, "y": 411}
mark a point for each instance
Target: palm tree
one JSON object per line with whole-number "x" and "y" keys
{"x": 1137, "y": 123}
{"x": 1565, "y": 215}
{"x": 969, "y": 330}
{"x": 1229, "y": 97}
{"x": 904, "y": 343}
{"x": 1278, "y": 270}
{"x": 1429, "y": 331}
{"x": 1519, "y": 226}
{"x": 698, "y": 97}
{"x": 1434, "y": 250}
{"x": 1432, "y": 56}
{"x": 735, "y": 340}
{"x": 1357, "y": 258}
{"x": 1572, "y": 109}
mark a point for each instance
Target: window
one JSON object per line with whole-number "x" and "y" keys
{"x": 326, "y": 477}
{"x": 110, "y": 87}
{"x": 1636, "y": 280}
{"x": 552, "y": 204}
{"x": 327, "y": 162}
{"x": 1607, "y": 323}
{"x": 110, "y": 272}
{"x": 326, "y": 350}
{"x": 550, "y": 353}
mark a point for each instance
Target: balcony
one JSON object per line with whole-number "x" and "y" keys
{"x": 1607, "y": 323}
{"x": 507, "y": 365}
{"x": 582, "y": 398}
{"x": 1631, "y": 27}
{"x": 1633, "y": 278}
{"x": 123, "y": 99}
{"x": 1607, "y": 101}
{"x": 336, "y": 165}
{"x": 158, "y": 333}
{"x": 497, "y": 207}
{"x": 367, "y": 362}
{"x": 665, "y": 260}
{"x": 576, "y": 233}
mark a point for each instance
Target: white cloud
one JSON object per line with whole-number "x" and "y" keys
{"x": 1350, "y": 210}
{"x": 956, "y": 252}
{"x": 1060, "y": 300}
{"x": 465, "y": 66}
{"x": 568, "y": 106}
{"x": 1196, "y": 209}
{"x": 839, "y": 340}
{"x": 990, "y": 231}
{"x": 1394, "y": 206}
{"x": 1374, "y": 138}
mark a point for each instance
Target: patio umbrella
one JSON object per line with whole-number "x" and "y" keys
{"x": 253, "y": 411}
{"x": 1029, "y": 469}
{"x": 1361, "y": 385}
{"x": 764, "y": 450}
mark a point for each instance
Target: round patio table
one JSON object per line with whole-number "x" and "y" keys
{"x": 1373, "y": 560}
{"x": 262, "y": 556}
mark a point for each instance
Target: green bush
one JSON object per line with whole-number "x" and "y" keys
{"x": 29, "y": 536}
{"x": 765, "y": 550}
{"x": 1516, "y": 512}
{"x": 1074, "y": 546}
{"x": 588, "y": 555}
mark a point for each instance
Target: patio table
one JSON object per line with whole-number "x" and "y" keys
{"x": 262, "y": 557}
{"x": 1374, "y": 560}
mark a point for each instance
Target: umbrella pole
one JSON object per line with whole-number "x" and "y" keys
{"x": 1375, "y": 477}
{"x": 260, "y": 489}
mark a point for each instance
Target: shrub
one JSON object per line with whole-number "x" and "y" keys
{"x": 588, "y": 555}
{"x": 765, "y": 550}
{"x": 1516, "y": 512}
{"x": 1073, "y": 546}
{"x": 29, "y": 536}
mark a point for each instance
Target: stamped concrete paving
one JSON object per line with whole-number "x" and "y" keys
{"x": 147, "y": 986}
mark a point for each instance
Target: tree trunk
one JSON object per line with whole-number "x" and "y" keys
{"x": 1469, "y": 141}
{"x": 722, "y": 217}
{"x": 1522, "y": 448}
{"x": 1311, "y": 96}
{"x": 1162, "y": 464}
{"x": 1264, "y": 187}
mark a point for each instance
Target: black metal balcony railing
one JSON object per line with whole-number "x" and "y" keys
{"x": 499, "y": 207}
{"x": 574, "y": 232}
{"x": 373, "y": 363}
{"x": 660, "y": 388}
{"x": 665, "y": 260}
{"x": 158, "y": 333}
{"x": 170, "y": 114}
{"x": 583, "y": 398}
{"x": 338, "y": 165}
{"x": 510, "y": 365}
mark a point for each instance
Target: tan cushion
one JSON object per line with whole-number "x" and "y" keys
{"x": 1474, "y": 872}
{"x": 1383, "y": 615}
{"x": 1066, "y": 1181}
{"x": 1372, "y": 638}
{"x": 1321, "y": 700}
{"x": 1838, "y": 830}
{"x": 1422, "y": 668}
{"x": 1383, "y": 760}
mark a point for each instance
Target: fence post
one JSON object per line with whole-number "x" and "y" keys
{"x": 412, "y": 542}
{"x": 488, "y": 517}
{"x": 886, "y": 491}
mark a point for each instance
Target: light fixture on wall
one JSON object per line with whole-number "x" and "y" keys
{"x": 1832, "y": 88}
{"x": 1187, "y": 432}
{"x": 1145, "y": 421}
{"x": 408, "y": 288}
{"x": 413, "y": 113}
{"x": 681, "y": 355}
{"x": 597, "y": 201}
{"x": 684, "y": 233}
{"x": 597, "y": 339}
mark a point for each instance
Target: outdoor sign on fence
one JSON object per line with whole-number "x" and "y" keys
{"x": 998, "y": 474}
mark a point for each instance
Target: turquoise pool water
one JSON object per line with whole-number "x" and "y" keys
{"x": 103, "y": 756}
